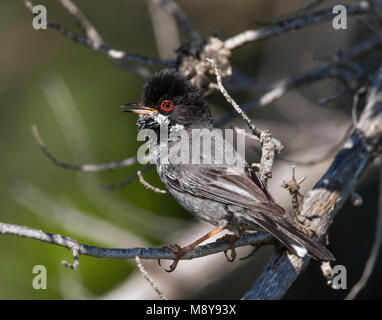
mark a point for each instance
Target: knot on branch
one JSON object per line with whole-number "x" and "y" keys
{"x": 192, "y": 61}
{"x": 269, "y": 146}
{"x": 74, "y": 250}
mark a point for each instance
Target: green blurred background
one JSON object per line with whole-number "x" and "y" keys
{"x": 73, "y": 95}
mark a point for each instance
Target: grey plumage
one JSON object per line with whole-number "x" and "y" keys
{"x": 220, "y": 194}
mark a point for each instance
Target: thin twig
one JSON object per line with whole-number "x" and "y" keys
{"x": 371, "y": 261}
{"x": 130, "y": 253}
{"x": 231, "y": 101}
{"x": 294, "y": 23}
{"x": 87, "y": 26}
{"x": 289, "y": 16}
{"x": 126, "y": 181}
{"x": 326, "y": 156}
{"x": 81, "y": 167}
{"x": 269, "y": 146}
{"x": 122, "y": 58}
{"x": 149, "y": 279}
{"x": 165, "y": 30}
{"x": 76, "y": 262}
{"x": 354, "y": 110}
{"x": 339, "y": 67}
{"x": 323, "y": 202}
{"x": 148, "y": 185}
{"x": 181, "y": 18}
{"x": 334, "y": 97}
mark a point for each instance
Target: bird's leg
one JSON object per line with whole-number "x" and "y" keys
{"x": 180, "y": 252}
{"x": 231, "y": 238}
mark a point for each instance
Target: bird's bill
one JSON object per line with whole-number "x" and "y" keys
{"x": 137, "y": 108}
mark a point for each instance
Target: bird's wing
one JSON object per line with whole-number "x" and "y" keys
{"x": 225, "y": 184}
{"x": 229, "y": 184}
{"x": 232, "y": 182}
{"x": 219, "y": 184}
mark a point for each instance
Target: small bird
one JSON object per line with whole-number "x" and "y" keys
{"x": 220, "y": 194}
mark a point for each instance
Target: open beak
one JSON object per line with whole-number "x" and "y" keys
{"x": 137, "y": 108}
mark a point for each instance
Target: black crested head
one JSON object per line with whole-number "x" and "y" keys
{"x": 175, "y": 98}
{"x": 169, "y": 83}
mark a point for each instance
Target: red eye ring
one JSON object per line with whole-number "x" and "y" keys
{"x": 167, "y": 105}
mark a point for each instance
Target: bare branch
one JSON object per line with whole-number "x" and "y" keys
{"x": 294, "y": 23}
{"x": 165, "y": 30}
{"x": 81, "y": 167}
{"x": 122, "y": 58}
{"x": 289, "y": 16}
{"x": 181, "y": 18}
{"x": 131, "y": 253}
{"x": 76, "y": 262}
{"x": 126, "y": 181}
{"x": 327, "y": 155}
{"x": 148, "y": 185}
{"x": 335, "y": 97}
{"x": 323, "y": 202}
{"x": 232, "y": 102}
{"x": 269, "y": 146}
{"x": 87, "y": 26}
{"x": 339, "y": 67}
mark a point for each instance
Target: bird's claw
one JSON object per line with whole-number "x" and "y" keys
{"x": 178, "y": 251}
{"x": 233, "y": 256}
{"x": 230, "y": 238}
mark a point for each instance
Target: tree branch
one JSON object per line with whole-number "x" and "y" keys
{"x": 269, "y": 146}
{"x": 294, "y": 23}
{"x": 328, "y": 196}
{"x": 122, "y": 58}
{"x": 81, "y": 167}
{"x": 130, "y": 253}
{"x": 86, "y": 25}
{"x": 148, "y": 185}
{"x": 339, "y": 67}
{"x": 181, "y": 18}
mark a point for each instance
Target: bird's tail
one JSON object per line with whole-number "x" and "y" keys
{"x": 295, "y": 240}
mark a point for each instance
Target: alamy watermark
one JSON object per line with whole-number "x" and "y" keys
{"x": 40, "y": 19}
{"x": 196, "y": 146}
{"x": 340, "y": 21}
{"x": 39, "y": 281}
{"x": 339, "y": 280}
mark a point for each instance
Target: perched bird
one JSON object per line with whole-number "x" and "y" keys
{"x": 222, "y": 195}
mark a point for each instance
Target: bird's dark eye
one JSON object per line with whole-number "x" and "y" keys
{"x": 167, "y": 105}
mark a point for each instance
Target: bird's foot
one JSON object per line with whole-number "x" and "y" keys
{"x": 179, "y": 253}
{"x": 230, "y": 238}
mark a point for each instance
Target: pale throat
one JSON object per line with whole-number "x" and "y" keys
{"x": 172, "y": 132}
